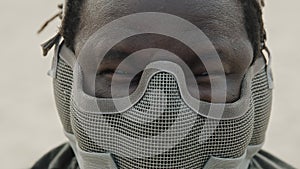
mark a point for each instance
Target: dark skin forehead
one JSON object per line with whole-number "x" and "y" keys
{"x": 216, "y": 18}
{"x": 221, "y": 20}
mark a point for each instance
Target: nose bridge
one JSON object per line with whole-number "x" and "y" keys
{"x": 164, "y": 61}
{"x": 161, "y": 60}
{"x": 174, "y": 74}
{"x": 185, "y": 64}
{"x": 165, "y": 55}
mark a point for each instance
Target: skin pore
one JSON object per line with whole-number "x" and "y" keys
{"x": 221, "y": 20}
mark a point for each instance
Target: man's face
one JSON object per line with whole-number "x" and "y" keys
{"x": 221, "y": 20}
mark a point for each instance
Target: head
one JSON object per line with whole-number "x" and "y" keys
{"x": 234, "y": 26}
{"x": 160, "y": 114}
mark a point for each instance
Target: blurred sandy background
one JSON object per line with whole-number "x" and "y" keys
{"x": 29, "y": 124}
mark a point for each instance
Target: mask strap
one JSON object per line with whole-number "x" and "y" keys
{"x": 48, "y": 45}
{"x": 67, "y": 55}
{"x": 267, "y": 55}
{"x": 266, "y": 52}
{"x": 64, "y": 53}
{"x": 261, "y": 3}
{"x": 53, "y": 69}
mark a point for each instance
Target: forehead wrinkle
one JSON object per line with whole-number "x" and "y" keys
{"x": 213, "y": 17}
{"x": 104, "y": 10}
{"x": 223, "y": 13}
{"x": 92, "y": 15}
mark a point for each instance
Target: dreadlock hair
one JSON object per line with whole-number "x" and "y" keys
{"x": 251, "y": 8}
{"x": 71, "y": 20}
{"x": 254, "y": 25}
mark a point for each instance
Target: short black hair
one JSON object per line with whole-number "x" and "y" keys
{"x": 252, "y": 13}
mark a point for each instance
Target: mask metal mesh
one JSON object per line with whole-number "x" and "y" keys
{"x": 230, "y": 139}
{"x": 62, "y": 92}
{"x": 262, "y": 97}
{"x": 163, "y": 101}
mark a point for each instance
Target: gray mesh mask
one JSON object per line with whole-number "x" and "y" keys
{"x": 164, "y": 127}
